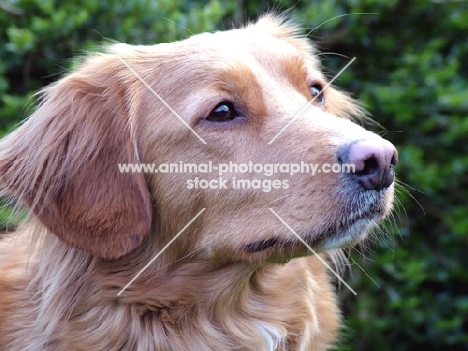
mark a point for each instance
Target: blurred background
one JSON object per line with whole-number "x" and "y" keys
{"x": 411, "y": 73}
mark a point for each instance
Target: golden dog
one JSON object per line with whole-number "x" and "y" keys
{"x": 238, "y": 277}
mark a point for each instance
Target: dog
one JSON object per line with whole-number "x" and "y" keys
{"x": 111, "y": 260}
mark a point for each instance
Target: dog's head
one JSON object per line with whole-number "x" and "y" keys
{"x": 238, "y": 98}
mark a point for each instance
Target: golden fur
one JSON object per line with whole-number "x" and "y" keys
{"x": 92, "y": 228}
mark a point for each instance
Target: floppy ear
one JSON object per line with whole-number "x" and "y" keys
{"x": 63, "y": 162}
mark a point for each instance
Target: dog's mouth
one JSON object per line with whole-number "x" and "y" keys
{"x": 347, "y": 232}
{"x": 261, "y": 245}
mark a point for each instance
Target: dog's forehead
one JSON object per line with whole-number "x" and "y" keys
{"x": 245, "y": 65}
{"x": 256, "y": 50}
{"x": 240, "y": 44}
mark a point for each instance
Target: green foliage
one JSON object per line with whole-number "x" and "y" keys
{"x": 42, "y": 36}
{"x": 411, "y": 73}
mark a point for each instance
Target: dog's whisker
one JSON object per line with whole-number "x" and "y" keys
{"x": 332, "y": 53}
{"x": 339, "y": 16}
{"x": 399, "y": 183}
{"x": 362, "y": 254}
{"x": 411, "y": 195}
{"x": 178, "y": 25}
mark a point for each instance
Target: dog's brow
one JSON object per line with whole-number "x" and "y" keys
{"x": 311, "y": 101}
{"x": 161, "y": 99}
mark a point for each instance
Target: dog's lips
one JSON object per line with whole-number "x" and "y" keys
{"x": 261, "y": 245}
{"x": 347, "y": 232}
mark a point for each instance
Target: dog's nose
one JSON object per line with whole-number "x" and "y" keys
{"x": 373, "y": 160}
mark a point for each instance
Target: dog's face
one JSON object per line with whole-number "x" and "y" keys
{"x": 237, "y": 90}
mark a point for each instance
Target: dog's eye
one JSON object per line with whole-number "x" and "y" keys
{"x": 315, "y": 91}
{"x": 224, "y": 112}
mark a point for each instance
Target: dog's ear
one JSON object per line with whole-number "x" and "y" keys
{"x": 63, "y": 162}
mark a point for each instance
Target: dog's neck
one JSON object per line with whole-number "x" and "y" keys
{"x": 235, "y": 304}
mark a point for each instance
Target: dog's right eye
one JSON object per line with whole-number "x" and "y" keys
{"x": 223, "y": 112}
{"x": 317, "y": 94}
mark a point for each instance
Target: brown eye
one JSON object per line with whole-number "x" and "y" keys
{"x": 317, "y": 94}
{"x": 224, "y": 112}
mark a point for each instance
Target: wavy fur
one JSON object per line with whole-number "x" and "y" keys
{"x": 91, "y": 228}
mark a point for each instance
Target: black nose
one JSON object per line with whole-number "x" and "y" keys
{"x": 373, "y": 160}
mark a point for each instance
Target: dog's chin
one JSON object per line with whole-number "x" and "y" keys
{"x": 348, "y": 236}
{"x": 346, "y": 233}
